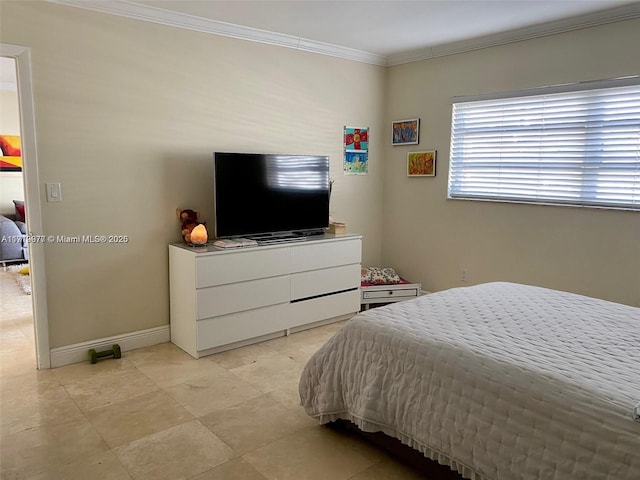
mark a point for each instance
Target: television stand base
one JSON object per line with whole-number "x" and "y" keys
{"x": 267, "y": 239}
{"x": 295, "y": 236}
{"x": 309, "y": 233}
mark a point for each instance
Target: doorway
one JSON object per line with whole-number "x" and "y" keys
{"x": 17, "y": 333}
{"x": 31, "y": 188}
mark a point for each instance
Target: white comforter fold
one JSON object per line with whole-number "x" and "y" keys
{"x": 500, "y": 381}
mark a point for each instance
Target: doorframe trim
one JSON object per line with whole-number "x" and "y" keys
{"x": 31, "y": 181}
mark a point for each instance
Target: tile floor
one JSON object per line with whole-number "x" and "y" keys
{"x": 159, "y": 414}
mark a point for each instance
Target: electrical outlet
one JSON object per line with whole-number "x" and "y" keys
{"x": 463, "y": 275}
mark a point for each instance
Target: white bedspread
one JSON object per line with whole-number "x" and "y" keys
{"x": 499, "y": 381}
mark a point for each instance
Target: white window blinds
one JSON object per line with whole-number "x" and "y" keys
{"x": 573, "y": 145}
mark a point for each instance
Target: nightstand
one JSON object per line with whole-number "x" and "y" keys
{"x": 380, "y": 294}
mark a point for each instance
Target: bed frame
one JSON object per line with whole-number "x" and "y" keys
{"x": 395, "y": 448}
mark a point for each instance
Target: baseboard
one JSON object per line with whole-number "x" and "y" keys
{"x": 78, "y": 352}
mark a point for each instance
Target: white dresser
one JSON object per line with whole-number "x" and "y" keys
{"x": 226, "y": 298}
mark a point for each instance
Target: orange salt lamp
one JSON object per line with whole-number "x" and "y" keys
{"x": 199, "y": 235}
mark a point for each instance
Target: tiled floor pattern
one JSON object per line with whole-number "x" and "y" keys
{"x": 159, "y": 414}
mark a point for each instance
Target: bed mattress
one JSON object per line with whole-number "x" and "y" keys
{"x": 499, "y": 381}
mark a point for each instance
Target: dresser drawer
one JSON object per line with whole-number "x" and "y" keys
{"x": 224, "y": 299}
{"x": 320, "y": 282}
{"x": 308, "y": 311}
{"x": 217, "y": 331}
{"x": 323, "y": 255}
{"x": 390, "y": 292}
{"x": 238, "y": 266}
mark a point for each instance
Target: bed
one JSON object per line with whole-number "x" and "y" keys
{"x": 498, "y": 381}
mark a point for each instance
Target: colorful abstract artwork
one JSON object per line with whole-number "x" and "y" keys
{"x": 11, "y": 159}
{"x": 356, "y": 163}
{"x": 356, "y": 138}
{"x": 356, "y": 151}
{"x": 405, "y": 132}
{"x": 421, "y": 164}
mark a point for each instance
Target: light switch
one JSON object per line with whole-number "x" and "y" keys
{"x": 54, "y": 192}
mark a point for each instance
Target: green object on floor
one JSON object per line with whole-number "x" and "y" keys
{"x": 114, "y": 352}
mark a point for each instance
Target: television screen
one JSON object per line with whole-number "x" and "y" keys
{"x": 268, "y": 193}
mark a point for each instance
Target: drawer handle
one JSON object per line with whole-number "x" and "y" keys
{"x": 391, "y": 292}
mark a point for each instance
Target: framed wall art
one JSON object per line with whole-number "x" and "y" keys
{"x": 11, "y": 158}
{"x": 356, "y": 162}
{"x": 356, "y": 138}
{"x": 405, "y": 132}
{"x": 356, "y": 150}
{"x": 421, "y": 164}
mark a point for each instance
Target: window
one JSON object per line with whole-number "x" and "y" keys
{"x": 570, "y": 145}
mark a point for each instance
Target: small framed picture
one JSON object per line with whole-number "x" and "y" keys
{"x": 10, "y": 153}
{"x": 405, "y": 132}
{"x": 421, "y": 164}
{"x": 356, "y": 162}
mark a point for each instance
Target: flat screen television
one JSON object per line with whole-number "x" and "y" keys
{"x": 264, "y": 195}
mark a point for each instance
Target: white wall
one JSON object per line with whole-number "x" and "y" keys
{"x": 128, "y": 114}
{"x": 431, "y": 239}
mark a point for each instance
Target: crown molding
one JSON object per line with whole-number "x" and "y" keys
{"x": 146, "y": 13}
{"x": 126, "y": 8}
{"x": 602, "y": 17}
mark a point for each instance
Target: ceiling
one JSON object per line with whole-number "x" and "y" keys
{"x": 385, "y": 27}
{"x": 384, "y": 32}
